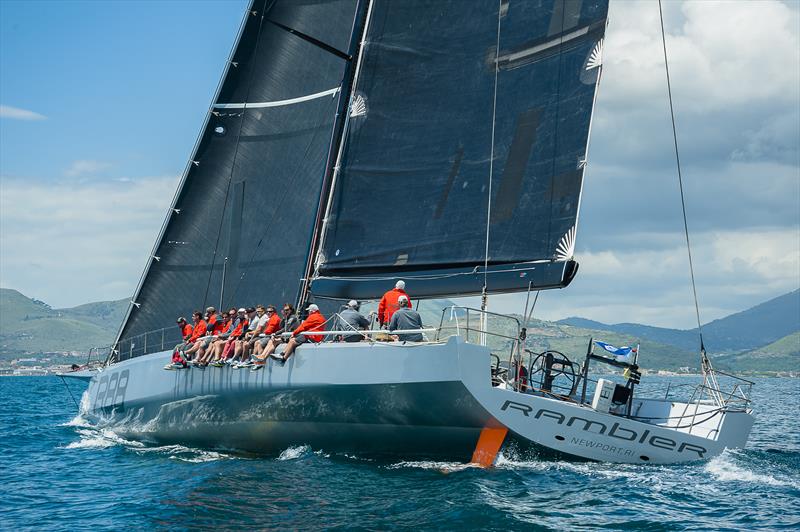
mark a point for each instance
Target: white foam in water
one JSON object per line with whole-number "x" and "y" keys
{"x": 444, "y": 467}
{"x": 293, "y": 453}
{"x": 725, "y": 469}
{"x": 77, "y": 421}
{"x": 93, "y": 438}
{"x": 100, "y": 439}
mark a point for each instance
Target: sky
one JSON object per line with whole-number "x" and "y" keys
{"x": 101, "y": 103}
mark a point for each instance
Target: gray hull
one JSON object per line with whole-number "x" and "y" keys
{"x": 420, "y": 400}
{"x": 367, "y": 398}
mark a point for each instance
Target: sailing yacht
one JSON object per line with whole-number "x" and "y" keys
{"x": 352, "y": 143}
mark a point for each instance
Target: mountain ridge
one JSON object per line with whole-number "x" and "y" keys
{"x": 746, "y": 330}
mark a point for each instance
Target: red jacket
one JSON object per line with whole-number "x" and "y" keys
{"x": 186, "y": 331}
{"x": 199, "y": 330}
{"x": 314, "y": 322}
{"x": 216, "y": 324}
{"x": 389, "y": 305}
{"x": 223, "y": 326}
{"x": 273, "y": 324}
{"x": 237, "y": 332}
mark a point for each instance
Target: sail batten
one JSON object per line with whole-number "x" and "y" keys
{"x": 277, "y": 103}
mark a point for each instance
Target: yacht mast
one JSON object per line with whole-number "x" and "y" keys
{"x": 326, "y": 196}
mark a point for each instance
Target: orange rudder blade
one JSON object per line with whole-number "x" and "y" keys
{"x": 488, "y": 446}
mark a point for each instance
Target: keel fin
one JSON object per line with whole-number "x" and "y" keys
{"x": 488, "y": 446}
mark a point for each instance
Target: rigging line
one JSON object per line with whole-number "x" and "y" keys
{"x": 279, "y": 204}
{"x": 555, "y": 124}
{"x": 529, "y": 317}
{"x": 70, "y": 393}
{"x": 680, "y": 181}
{"x": 491, "y": 155}
{"x": 236, "y": 149}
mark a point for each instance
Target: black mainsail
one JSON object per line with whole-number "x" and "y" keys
{"x": 240, "y": 222}
{"x": 429, "y": 158}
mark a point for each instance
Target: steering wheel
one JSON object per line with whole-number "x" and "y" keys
{"x": 498, "y": 374}
{"x": 556, "y": 372}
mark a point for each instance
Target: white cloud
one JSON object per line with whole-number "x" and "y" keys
{"x": 734, "y": 270}
{"x": 720, "y": 53}
{"x": 15, "y": 113}
{"x": 86, "y": 167}
{"x": 68, "y": 243}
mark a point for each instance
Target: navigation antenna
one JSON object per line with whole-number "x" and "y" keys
{"x": 708, "y": 371}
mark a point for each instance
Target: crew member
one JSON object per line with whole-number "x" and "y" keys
{"x": 389, "y": 302}
{"x": 350, "y": 319}
{"x": 406, "y": 319}
{"x": 178, "y": 361}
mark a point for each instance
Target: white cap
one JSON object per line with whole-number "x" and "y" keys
{"x": 313, "y": 308}
{"x": 352, "y": 303}
{"x": 242, "y": 309}
{"x": 400, "y": 285}
{"x": 402, "y": 300}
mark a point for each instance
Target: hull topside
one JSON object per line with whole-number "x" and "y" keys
{"x": 428, "y": 399}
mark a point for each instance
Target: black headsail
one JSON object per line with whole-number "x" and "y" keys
{"x": 245, "y": 207}
{"x": 413, "y": 196}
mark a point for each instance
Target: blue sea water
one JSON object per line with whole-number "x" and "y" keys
{"x": 58, "y": 473}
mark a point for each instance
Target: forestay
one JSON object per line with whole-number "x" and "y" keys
{"x": 253, "y": 183}
{"x": 410, "y": 199}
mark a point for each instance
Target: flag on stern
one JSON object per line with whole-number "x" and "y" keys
{"x": 622, "y": 352}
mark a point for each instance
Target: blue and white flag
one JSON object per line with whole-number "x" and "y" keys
{"x": 616, "y": 351}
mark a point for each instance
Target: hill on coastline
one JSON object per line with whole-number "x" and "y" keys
{"x": 32, "y": 326}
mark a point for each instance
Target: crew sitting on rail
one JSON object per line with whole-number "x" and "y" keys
{"x": 221, "y": 326}
{"x": 406, "y": 318}
{"x": 201, "y": 344}
{"x": 389, "y": 302}
{"x": 219, "y": 339}
{"x": 198, "y": 332}
{"x": 314, "y": 322}
{"x": 178, "y": 361}
{"x": 289, "y": 322}
{"x": 351, "y": 320}
{"x": 252, "y": 336}
{"x": 239, "y": 327}
{"x": 239, "y": 343}
{"x": 274, "y": 324}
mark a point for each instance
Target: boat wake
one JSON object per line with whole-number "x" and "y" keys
{"x": 443, "y": 467}
{"x": 729, "y": 467}
{"x": 101, "y": 438}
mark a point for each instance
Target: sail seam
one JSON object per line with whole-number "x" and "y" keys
{"x": 277, "y": 103}
{"x": 309, "y": 39}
